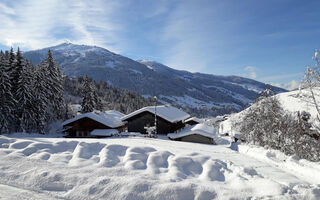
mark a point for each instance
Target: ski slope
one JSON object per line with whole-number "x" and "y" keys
{"x": 144, "y": 168}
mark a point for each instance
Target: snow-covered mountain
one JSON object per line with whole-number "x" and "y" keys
{"x": 195, "y": 91}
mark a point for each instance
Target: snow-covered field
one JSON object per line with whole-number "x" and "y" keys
{"x": 144, "y": 168}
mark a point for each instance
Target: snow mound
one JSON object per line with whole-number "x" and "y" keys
{"x": 139, "y": 168}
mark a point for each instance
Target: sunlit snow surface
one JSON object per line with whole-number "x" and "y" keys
{"x": 147, "y": 168}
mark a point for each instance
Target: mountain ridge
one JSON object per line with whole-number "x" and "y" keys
{"x": 197, "y": 92}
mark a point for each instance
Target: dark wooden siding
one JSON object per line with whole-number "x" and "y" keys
{"x": 192, "y": 122}
{"x": 197, "y": 139}
{"x": 138, "y": 122}
{"x": 84, "y": 124}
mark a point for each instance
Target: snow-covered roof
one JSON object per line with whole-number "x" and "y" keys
{"x": 196, "y": 119}
{"x": 76, "y": 107}
{"x": 199, "y": 129}
{"x": 104, "y": 132}
{"x": 167, "y": 112}
{"x": 111, "y": 118}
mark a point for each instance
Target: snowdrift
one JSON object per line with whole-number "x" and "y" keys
{"x": 140, "y": 168}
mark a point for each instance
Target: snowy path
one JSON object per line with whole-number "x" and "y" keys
{"x": 143, "y": 168}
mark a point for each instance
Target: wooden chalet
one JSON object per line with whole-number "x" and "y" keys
{"x": 169, "y": 119}
{"x": 199, "y": 133}
{"x": 94, "y": 124}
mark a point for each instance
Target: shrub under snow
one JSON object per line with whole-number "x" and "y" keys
{"x": 267, "y": 124}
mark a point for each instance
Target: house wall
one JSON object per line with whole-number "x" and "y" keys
{"x": 85, "y": 125}
{"x": 191, "y": 123}
{"x": 197, "y": 139}
{"x": 138, "y": 122}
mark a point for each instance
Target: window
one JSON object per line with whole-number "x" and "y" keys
{"x": 82, "y": 133}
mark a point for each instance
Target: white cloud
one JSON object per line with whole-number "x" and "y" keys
{"x": 5, "y": 9}
{"x": 251, "y": 72}
{"x": 282, "y": 76}
{"x": 35, "y": 24}
{"x": 289, "y": 86}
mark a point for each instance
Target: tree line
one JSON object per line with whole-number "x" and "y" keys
{"x": 94, "y": 95}
{"x": 31, "y": 96}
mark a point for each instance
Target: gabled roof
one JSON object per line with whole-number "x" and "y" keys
{"x": 199, "y": 129}
{"x": 169, "y": 113}
{"x": 110, "y": 118}
{"x": 196, "y": 119}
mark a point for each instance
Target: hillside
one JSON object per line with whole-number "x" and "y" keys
{"x": 198, "y": 93}
{"x": 294, "y": 101}
{"x": 112, "y": 98}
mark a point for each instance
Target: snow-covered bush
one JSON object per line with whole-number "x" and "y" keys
{"x": 267, "y": 124}
{"x": 311, "y": 82}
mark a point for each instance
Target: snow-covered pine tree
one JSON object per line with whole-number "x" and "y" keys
{"x": 59, "y": 97}
{"x": 24, "y": 98}
{"x": 88, "y": 97}
{"x": 40, "y": 100}
{"x": 16, "y": 64}
{"x": 97, "y": 100}
{"x": 15, "y": 67}
{"x": 6, "y": 97}
{"x": 54, "y": 88}
{"x": 68, "y": 112}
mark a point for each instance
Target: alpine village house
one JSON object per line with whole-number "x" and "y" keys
{"x": 169, "y": 120}
{"x": 95, "y": 124}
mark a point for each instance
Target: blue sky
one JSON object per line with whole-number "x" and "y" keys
{"x": 271, "y": 41}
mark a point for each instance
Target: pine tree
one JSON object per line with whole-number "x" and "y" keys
{"x": 24, "y": 98}
{"x": 88, "y": 100}
{"x": 40, "y": 100}
{"x": 6, "y": 98}
{"x": 97, "y": 100}
{"x": 15, "y": 67}
{"x": 16, "y": 63}
{"x": 54, "y": 88}
{"x": 59, "y": 97}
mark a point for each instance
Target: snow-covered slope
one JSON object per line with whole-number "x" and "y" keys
{"x": 149, "y": 78}
{"x": 300, "y": 100}
{"x": 145, "y": 168}
{"x": 294, "y": 101}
